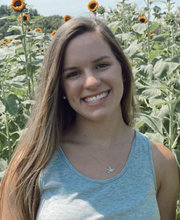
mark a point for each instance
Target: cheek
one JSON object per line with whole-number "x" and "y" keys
{"x": 72, "y": 91}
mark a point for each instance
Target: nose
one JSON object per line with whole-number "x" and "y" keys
{"x": 91, "y": 80}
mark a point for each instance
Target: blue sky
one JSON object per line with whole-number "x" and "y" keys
{"x": 72, "y": 7}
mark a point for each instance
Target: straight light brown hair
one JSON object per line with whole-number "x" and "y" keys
{"x": 51, "y": 115}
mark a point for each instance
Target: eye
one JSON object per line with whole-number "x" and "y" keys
{"x": 73, "y": 74}
{"x": 102, "y": 65}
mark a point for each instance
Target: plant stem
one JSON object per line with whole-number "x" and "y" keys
{"x": 148, "y": 30}
{"x": 172, "y": 38}
{"x": 25, "y": 55}
{"x": 123, "y": 21}
{"x": 7, "y": 127}
{"x": 171, "y": 123}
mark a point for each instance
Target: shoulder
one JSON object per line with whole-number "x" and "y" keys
{"x": 162, "y": 155}
{"x": 167, "y": 179}
{"x": 165, "y": 165}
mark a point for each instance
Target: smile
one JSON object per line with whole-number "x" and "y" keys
{"x": 96, "y": 98}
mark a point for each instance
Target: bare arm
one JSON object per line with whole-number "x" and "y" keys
{"x": 167, "y": 180}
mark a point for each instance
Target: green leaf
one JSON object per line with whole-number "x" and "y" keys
{"x": 11, "y": 105}
{"x": 164, "y": 68}
{"x": 3, "y": 167}
{"x": 162, "y": 37}
{"x": 154, "y": 26}
{"x": 155, "y": 137}
{"x": 7, "y": 52}
{"x": 156, "y": 101}
{"x": 177, "y": 156}
{"x": 125, "y": 36}
{"x": 149, "y": 92}
{"x": 14, "y": 28}
{"x": 4, "y": 18}
{"x": 2, "y": 107}
{"x": 163, "y": 111}
{"x": 139, "y": 28}
{"x": 36, "y": 62}
{"x": 133, "y": 48}
{"x": 146, "y": 70}
{"x": 154, "y": 53}
{"x": 153, "y": 122}
{"x": 114, "y": 26}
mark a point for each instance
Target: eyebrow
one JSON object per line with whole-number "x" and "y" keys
{"x": 94, "y": 61}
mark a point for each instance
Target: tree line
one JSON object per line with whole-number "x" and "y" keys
{"x": 8, "y": 18}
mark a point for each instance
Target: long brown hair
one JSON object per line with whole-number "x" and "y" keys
{"x": 51, "y": 114}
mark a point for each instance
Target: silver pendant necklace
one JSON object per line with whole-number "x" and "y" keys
{"x": 110, "y": 169}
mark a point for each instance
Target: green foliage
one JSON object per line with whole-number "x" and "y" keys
{"x": 8, "y": 18}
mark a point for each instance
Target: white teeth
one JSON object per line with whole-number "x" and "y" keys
{"x": 96, "y": 98}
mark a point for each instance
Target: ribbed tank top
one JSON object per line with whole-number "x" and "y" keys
{"x": 66, "y": 194}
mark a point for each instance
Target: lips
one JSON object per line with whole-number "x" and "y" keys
{"x": 96, "y": 98}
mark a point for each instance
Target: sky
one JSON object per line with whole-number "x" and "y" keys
{"x": 71, "y": 7}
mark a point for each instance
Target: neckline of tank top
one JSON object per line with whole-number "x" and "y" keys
{"x": 120, "y": 174}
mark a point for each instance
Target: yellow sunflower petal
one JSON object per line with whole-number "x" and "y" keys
{"x": 142, "y": 19}
{"x": 67, "y": 18}
{"x": 93, "y": 5}
{"x": 25, "y": 17}
{"x": 53, "y": 33}
{"x": 152, "y": 34}
{"x": 17, "y": 5}
{"x": 38, "y": 29}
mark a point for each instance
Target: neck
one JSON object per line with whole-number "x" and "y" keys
{"x": 100, "y": 133}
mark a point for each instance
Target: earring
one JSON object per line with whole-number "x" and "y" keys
{"x": 64, "y": 97}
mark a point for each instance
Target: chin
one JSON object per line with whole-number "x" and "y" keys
{"x": 97, "y": 116}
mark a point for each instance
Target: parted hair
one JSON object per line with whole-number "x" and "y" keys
{"x": 51, "y": 115}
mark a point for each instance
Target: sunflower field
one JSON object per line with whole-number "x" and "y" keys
{"x": 150, "y": 37}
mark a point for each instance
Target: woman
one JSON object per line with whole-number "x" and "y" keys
{"x": 79, "y": 157}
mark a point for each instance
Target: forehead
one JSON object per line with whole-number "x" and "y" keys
{"x": 88, "y": 45}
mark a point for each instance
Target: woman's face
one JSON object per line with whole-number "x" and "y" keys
{"x": 92, "y": 78}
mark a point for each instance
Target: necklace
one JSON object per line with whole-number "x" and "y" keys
{"x": 110, "y": 169}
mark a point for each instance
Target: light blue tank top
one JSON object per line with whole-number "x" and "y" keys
{"x": 66, "y": 194}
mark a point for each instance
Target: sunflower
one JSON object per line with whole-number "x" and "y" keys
{"x": 152, "y": 34}
{"x": 67, "y": 18}
{"x": 25, "y": 17}
{"x": 5, "y": 41}
{"x": 142, "y": 19}
{"x": 53, "y": 33}
{"x": 17, "y": 5}
{"x": 93, "y": 5}
{"x": 38, "y": 29}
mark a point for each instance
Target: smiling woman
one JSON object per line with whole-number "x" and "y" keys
{"x": 92, "y": 81}
{"x": 80, "y": 157}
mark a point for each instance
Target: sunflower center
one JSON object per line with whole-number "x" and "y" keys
{"x": 17, "y": 3}
{"x": 92, "y": 6}
{"x": 68, "y": 18}
{"x": 25, "y": 18}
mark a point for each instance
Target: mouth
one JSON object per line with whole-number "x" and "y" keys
{"x": 96, "y": 98}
